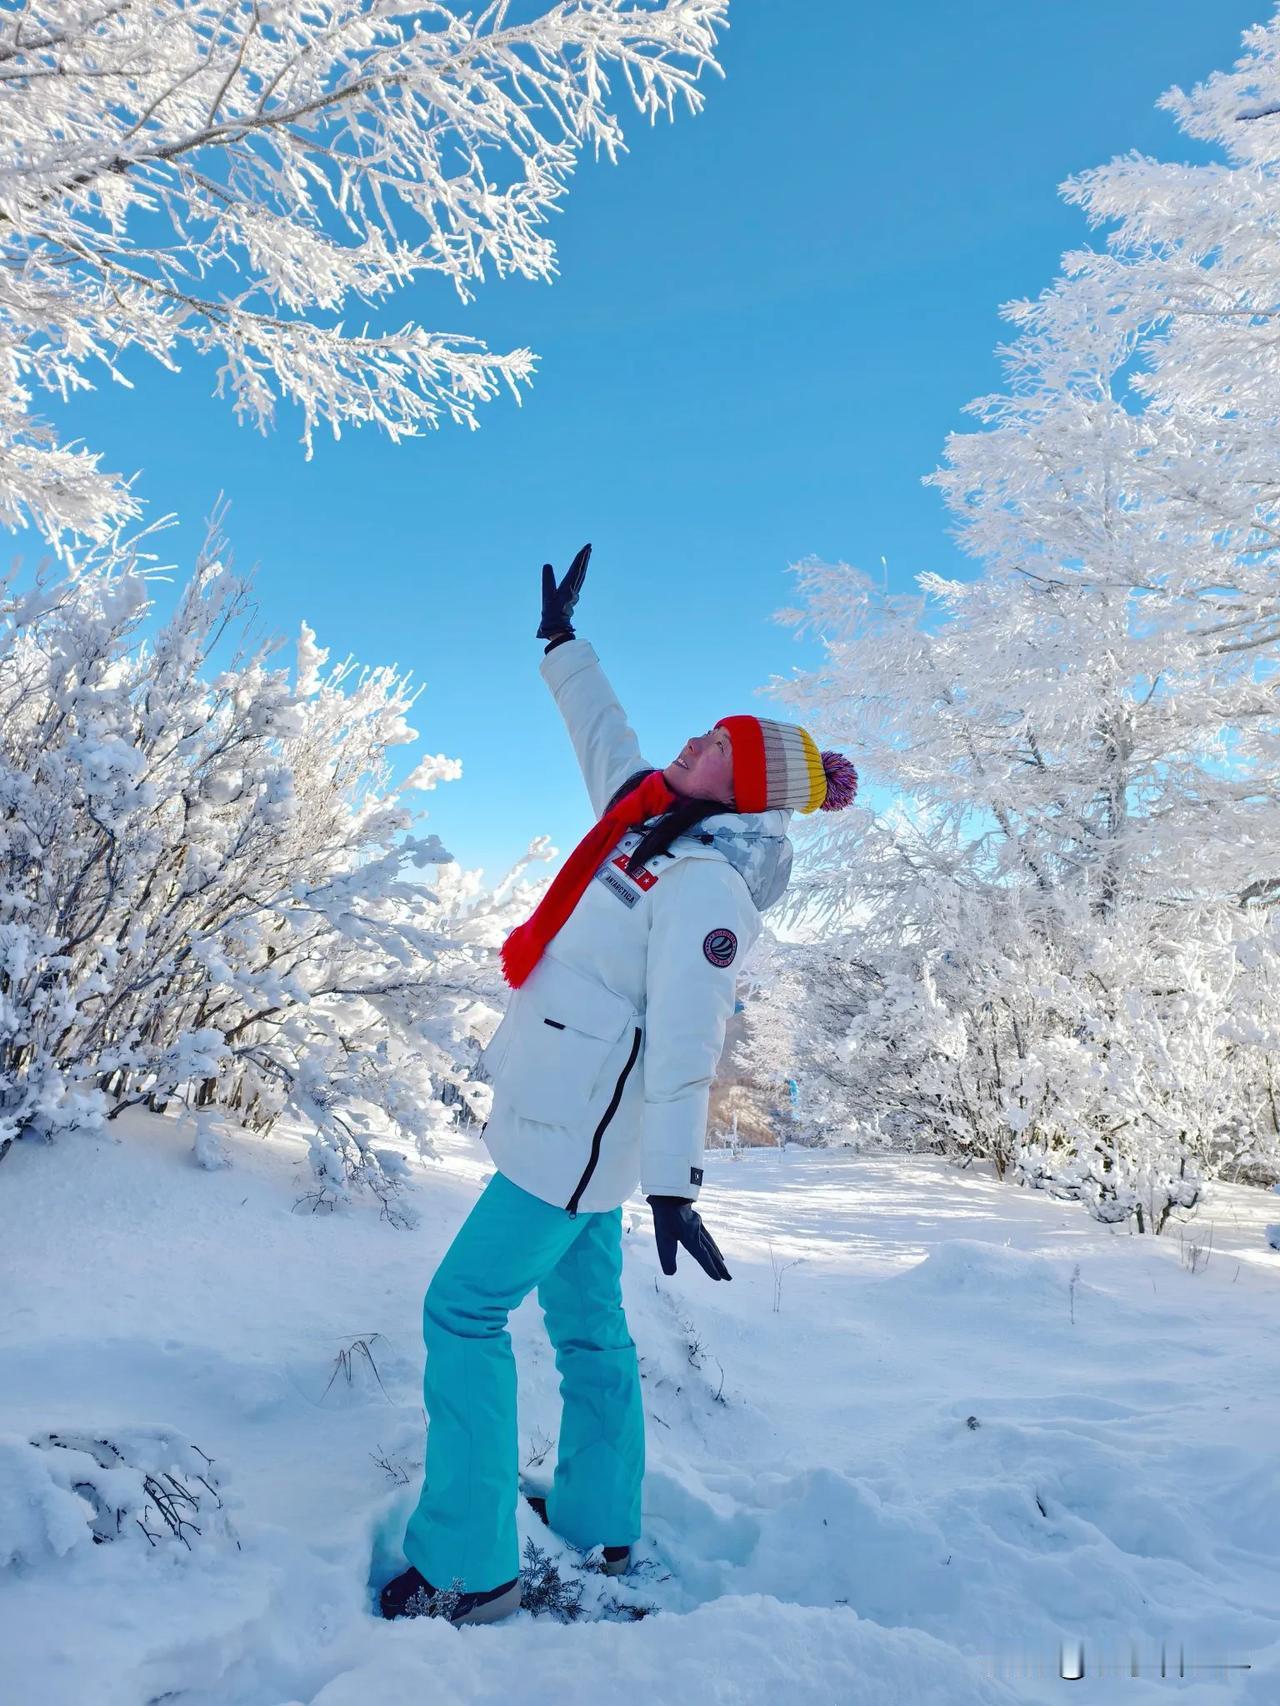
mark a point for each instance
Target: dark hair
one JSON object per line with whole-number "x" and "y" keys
{"x": 676, "y": 820}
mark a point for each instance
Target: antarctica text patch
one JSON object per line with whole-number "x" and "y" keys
{"x": 720, "y": 946}
{"x": 617, "y": 885}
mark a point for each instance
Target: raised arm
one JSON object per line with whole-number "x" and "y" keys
{"x": 603, "y": 739}
{"x": 606, "y": 745}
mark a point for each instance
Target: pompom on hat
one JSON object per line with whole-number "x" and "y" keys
{"x": 779, "y": 764}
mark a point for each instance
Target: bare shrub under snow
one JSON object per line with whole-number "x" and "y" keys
{"x": 72, "y": 1489}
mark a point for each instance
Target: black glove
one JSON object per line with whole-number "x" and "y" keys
{"x": 676, "y": 1221}
{"x": 558, "y": 601}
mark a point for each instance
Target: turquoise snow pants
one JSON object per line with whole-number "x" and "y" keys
{"x": 464, "y": 1527}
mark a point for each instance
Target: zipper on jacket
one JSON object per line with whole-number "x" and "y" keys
{"x": 610, "y": 1111}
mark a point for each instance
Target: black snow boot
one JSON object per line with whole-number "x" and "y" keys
{"x": 617, "y": 1559}
{"x": 410, "y": 1594}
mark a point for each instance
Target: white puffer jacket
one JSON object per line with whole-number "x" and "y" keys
{"x": 602, "y": 1064}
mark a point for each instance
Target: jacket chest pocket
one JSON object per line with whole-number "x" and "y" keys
{"x": 568, "y": 1030}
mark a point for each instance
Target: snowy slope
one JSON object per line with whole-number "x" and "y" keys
{"x": 910, "y": 1481}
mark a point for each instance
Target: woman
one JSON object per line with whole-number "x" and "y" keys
{"x": 623, "y": 982}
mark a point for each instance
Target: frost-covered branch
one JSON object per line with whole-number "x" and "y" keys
{"x": 235, "y": 177}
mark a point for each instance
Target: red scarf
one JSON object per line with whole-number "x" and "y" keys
{"x": 523, "y": 947}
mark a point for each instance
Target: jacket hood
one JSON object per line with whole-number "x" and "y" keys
{"x": 756, "y": 844}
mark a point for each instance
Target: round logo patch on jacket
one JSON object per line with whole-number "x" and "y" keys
{"x": 720, "y": 946}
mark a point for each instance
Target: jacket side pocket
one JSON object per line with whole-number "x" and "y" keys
{"x": 567, "y": 1031}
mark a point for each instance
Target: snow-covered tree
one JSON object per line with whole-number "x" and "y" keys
{"x": 204, "y": 892}
{"x": 799, "y": 1007}
{"x": 1082, "y": 740}
{"x": 235, "y": 176}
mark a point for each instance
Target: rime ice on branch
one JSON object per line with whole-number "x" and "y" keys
{"x": 236, "y": 177}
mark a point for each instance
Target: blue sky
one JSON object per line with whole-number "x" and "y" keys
{"x": 766, "y": 320}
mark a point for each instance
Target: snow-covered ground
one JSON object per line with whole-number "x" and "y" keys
{"x": 905, "y": 1469}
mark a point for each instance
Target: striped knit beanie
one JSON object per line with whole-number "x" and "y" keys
{"x": 778, "y": 764}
